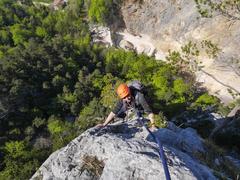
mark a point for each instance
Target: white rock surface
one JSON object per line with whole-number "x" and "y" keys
{"x": 128, "y": 152}
{"x": 172, "y": 24}
{"x": 101, "y": 34}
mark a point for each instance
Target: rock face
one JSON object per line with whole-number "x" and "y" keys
{"x": 101, "y": 35}
{"x": 126, "y": 151}
{"x": 157, "y": 26}
{"x": 172, "y": 24}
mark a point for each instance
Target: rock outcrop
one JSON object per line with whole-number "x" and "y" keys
{"x": 171, "y": 24}
{"x": 126, "y": 151}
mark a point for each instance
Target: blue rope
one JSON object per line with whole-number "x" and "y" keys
{"x": 160, "y": 150}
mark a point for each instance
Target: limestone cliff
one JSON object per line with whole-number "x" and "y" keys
{"x": 156, "y": 26}
{"x": 126, "y": 151}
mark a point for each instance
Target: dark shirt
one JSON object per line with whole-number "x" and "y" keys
{"x": 139, "y": 102}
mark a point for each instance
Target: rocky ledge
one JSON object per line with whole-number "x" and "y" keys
{"x": 124, "y": 150}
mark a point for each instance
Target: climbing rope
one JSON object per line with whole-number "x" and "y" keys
{"x": 160, "y": 150}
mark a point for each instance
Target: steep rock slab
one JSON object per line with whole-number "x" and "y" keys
{"x": 125, "y": 151}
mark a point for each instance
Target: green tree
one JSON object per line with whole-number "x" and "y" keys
{"x": 61, "y": 132}
{"x": 19, "y": 34}
{"x": 99, "y": 10}
{"x": 204, "y": 101}
{"x": 161, "y": 81}
{"x": 19, "y": 162}
{"x": 107, "y": 84}
{"x": 40, "y": 31}
{"x": 5, "y": 37}
{"x": 91, "y": 114}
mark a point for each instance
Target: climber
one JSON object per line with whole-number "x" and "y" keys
{"x": 130, "y": 99}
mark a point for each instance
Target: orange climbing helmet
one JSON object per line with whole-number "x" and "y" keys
{"x": 123, "y": 91}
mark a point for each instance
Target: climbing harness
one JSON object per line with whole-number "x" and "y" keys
{"x": 160, "y": 151}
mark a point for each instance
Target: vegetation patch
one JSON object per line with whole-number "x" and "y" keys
{"x": 214, "y": 157}
{"x": 228, "y": 8}
{"x": 93, "y": 166}
{"x": 160, "y": 120}
{"x": 187, "y": 60}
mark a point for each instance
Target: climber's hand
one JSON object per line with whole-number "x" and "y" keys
{"x": 100, "y": 126}
{"x": 153, "y": 128}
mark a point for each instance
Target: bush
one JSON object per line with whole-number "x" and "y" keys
{"x": 160, "y": 120}
{"x": 204, "y": 101}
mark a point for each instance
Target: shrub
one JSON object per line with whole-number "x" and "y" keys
{"x": 160, "y": 120}
{"x": 204, "y": 101}
{"x": 99, "y": 10}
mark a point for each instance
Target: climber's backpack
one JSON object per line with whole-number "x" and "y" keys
{"x": 138, "y": 87}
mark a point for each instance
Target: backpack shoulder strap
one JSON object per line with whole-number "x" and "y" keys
{"x": 137, "y": 97}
